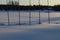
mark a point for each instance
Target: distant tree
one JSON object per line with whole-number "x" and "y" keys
{"x": 13, "y": 3}
{"x": 56, "y": 7}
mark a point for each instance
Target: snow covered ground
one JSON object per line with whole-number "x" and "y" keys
{"x": 35, "y": 31}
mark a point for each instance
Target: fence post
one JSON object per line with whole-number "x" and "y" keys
{"x": 30, "y": 12}
{"x": 19, "y": 12}
{"x": 39, "y": 12}
{"x": 8, "y": 15}
{"x": 48, "y": 12}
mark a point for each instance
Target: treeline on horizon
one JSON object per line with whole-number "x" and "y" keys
{"x": 34, "y": 7}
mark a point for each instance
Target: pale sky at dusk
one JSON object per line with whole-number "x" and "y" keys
{"x": 34, "y": 2}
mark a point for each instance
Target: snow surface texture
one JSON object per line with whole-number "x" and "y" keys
{"x": 33, "y": 32}
{"x": 42, "y": 31}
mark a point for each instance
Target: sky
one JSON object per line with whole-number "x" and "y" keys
{"x": 34, "y": 2}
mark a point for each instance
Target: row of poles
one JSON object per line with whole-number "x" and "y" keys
{"x": 30, "y": 13}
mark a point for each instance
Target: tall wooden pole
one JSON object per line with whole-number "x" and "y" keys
{"x": 8, "y": 15}
{"x": 39, "y": 12}
{"x": 19, "y": 12}
{"x": 30, "y": 12}
{"x": 48, "y": 12}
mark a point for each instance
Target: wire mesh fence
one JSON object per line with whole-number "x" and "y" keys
{"x": 23, "y": 17}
